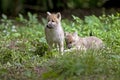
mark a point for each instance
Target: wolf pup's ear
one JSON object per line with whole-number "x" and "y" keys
{"x": 58, "y": 15}
{"x": 66, "y": 33}
{"x": 48, "y": 13}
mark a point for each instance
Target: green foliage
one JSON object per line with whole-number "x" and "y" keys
{"x": 78, "y": 65}
{"x": 21, "y": 6}
{"x": 32, "y": 19}
{"x": 84, "y": 3}
{"x": 11, "y": 7}
{"x": 24, "y": 51}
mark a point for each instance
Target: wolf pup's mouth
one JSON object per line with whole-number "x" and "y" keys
{"x": 49, "y": 27}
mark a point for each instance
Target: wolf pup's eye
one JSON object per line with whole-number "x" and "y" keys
{"x": 70, "y": 42}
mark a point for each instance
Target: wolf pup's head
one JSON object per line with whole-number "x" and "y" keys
{"x": 71, "y": 39}
{"x": 53, "y": 20}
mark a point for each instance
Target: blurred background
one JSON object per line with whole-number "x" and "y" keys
{"x": 14, "y": 7}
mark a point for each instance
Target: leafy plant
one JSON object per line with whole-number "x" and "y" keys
{"x": 24, "y": 51}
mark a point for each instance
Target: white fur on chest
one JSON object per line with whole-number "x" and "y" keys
{"x": 55, "y": 35}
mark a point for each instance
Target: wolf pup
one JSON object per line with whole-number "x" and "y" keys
{"x": 77, "y": 43}
{"x": 54, "y": 32}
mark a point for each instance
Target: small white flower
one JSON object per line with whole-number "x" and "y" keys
{"x": 4, "y": 31}
{"x": 13, "y": 29}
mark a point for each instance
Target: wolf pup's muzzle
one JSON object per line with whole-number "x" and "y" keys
{"x": 50, "y": 27}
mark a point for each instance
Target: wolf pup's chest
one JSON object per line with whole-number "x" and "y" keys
{"x": 55, "y": 34}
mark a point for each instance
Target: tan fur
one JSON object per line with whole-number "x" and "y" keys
{"x": 54, "y": 32}
{"x": 76, "y": 42}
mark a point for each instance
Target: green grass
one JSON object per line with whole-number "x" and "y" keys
{"x": 24, "y": 55}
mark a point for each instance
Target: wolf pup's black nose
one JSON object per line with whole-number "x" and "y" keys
{"x": 49, "y": 27}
